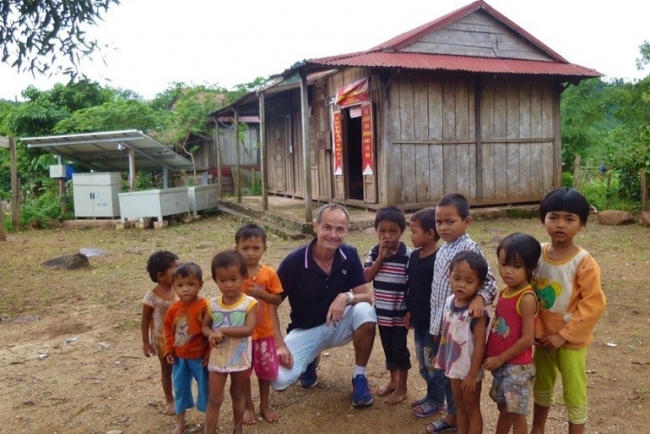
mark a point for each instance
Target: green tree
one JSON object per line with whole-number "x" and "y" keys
{"x": 186, "y": 124}
{"x": 35, "y": 33}
{"x": 111, "y": 116}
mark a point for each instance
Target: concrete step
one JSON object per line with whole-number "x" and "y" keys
{"x": 270, "y": 227}
{"x": 273, "y": 218}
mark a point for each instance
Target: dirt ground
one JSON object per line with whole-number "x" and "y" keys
{"x": 71, "y": 353}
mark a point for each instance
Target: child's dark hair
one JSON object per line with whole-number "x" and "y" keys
{"x": 159, "y": 262}
{"x": 567, "y": 200}
{"x": 250, "y": 231}
{"x": 188, "y": 269}
{"x": 391, "y": 214}
{"x": 458, "y": 201}
{"x": 521, "y": 250}
{"x": 426, "y": 217}
{"x": 226, "y": 259}
{"x": 475, "y": 260}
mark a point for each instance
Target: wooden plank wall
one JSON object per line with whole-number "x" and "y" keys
{"x": 433, "y": 134}
{"x": 478, "y": 34}
{"x": 517, "y": 132}
{"x": 433, "y": 127}
{"x": 249, "y": 153}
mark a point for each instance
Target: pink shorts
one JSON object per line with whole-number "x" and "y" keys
{"x": 265, "y": 359}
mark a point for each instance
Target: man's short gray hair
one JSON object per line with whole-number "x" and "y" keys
{"x": 331, "y": 207}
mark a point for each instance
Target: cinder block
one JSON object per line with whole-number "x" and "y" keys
{"x": 123, "y": 225}
{"x": 144, "y": 224}
{"x": 160, "y": 225}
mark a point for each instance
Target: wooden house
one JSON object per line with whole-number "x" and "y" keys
{"x": 467, "y": 103}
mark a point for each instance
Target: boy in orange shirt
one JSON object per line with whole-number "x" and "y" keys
{"x": 186, "y": 348}
{"x": 263, "y": 284}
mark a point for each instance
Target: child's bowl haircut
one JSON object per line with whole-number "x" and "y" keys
{"x": 567, "y": 200}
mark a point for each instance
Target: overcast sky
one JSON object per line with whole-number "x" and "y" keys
{"x": 153, "y": 43}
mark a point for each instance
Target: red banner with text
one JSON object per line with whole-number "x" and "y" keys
{"x": 368, "y": 140}
{"x": 337, "y": 129}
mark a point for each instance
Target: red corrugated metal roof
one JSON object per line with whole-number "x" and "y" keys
{"x": 388, "y": 54}
{"x": 456, "y": 63}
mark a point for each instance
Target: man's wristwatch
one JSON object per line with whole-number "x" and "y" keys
{"x": 350, "y": 298}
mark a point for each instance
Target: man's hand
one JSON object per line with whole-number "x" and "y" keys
{"x": 285, "y": 358}
{"x": 336, "y": 310}
{"x": 170, "y": 358}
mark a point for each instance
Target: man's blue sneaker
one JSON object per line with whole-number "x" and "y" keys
{"x": 361, "y": 396}
{"x": 309, "y": 378}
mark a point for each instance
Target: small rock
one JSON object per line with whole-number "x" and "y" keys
{"x": 614, "y": 217}
{"x": 68, "y": 262}
{"x": 134, "y": 251}
{"x": 114, "y": 431}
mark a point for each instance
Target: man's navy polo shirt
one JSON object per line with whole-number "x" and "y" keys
{"x": 310, "y": 290}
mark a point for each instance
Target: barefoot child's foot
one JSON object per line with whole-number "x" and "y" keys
{"x": 386, "y": 389}
{"x": 249, "y": 416}
{"x": 179, "y": 429}
{"x": 170, "y": 408}
{"x": 397, "y": 396}
{"x": 269, "y": 414}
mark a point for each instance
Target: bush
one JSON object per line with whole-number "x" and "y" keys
{"x": 603, "y": 197}
{"x": 39, "y": 211}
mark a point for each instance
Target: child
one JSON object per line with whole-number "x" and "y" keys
{"x": 229, "y": 325}
{"x": 452, "y": 221}
{"x": 185, "y": 346}
{"x": 567, "y": 284}
{"x": 155, "y": 304}
{"x": 462, "y": 343}
{"x": 418, "y": 316}
{"x": 263, "y": 284}
{"x": 386, "y": 268}
{"x": 510, "y": 343}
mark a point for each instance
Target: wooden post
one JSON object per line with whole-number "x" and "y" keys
{"x": 238, "y": 175}
{"x": 306, "y": 148}
{"x": 218, "y": 155}
{"x": 265, "y": 195}
{"x": 576, "y": 171}
{"x": 15, "y": 186}
{"x": 62, "y": 195}
{"x": 3, "y": 233}
{"x": 644, "y": 190}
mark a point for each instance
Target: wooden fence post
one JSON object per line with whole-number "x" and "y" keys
{"x": 15, "y": 186}
{"x": 576, "y": 171}
{"x": 3, "y": 233}
{"x": 644, "y": 190}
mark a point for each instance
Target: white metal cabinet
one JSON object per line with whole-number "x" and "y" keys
{"x": 154, "y": 203}
{"x": 96, "y": 194}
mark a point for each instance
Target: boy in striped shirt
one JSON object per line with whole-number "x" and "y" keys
{"x": 386, "y": 266}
